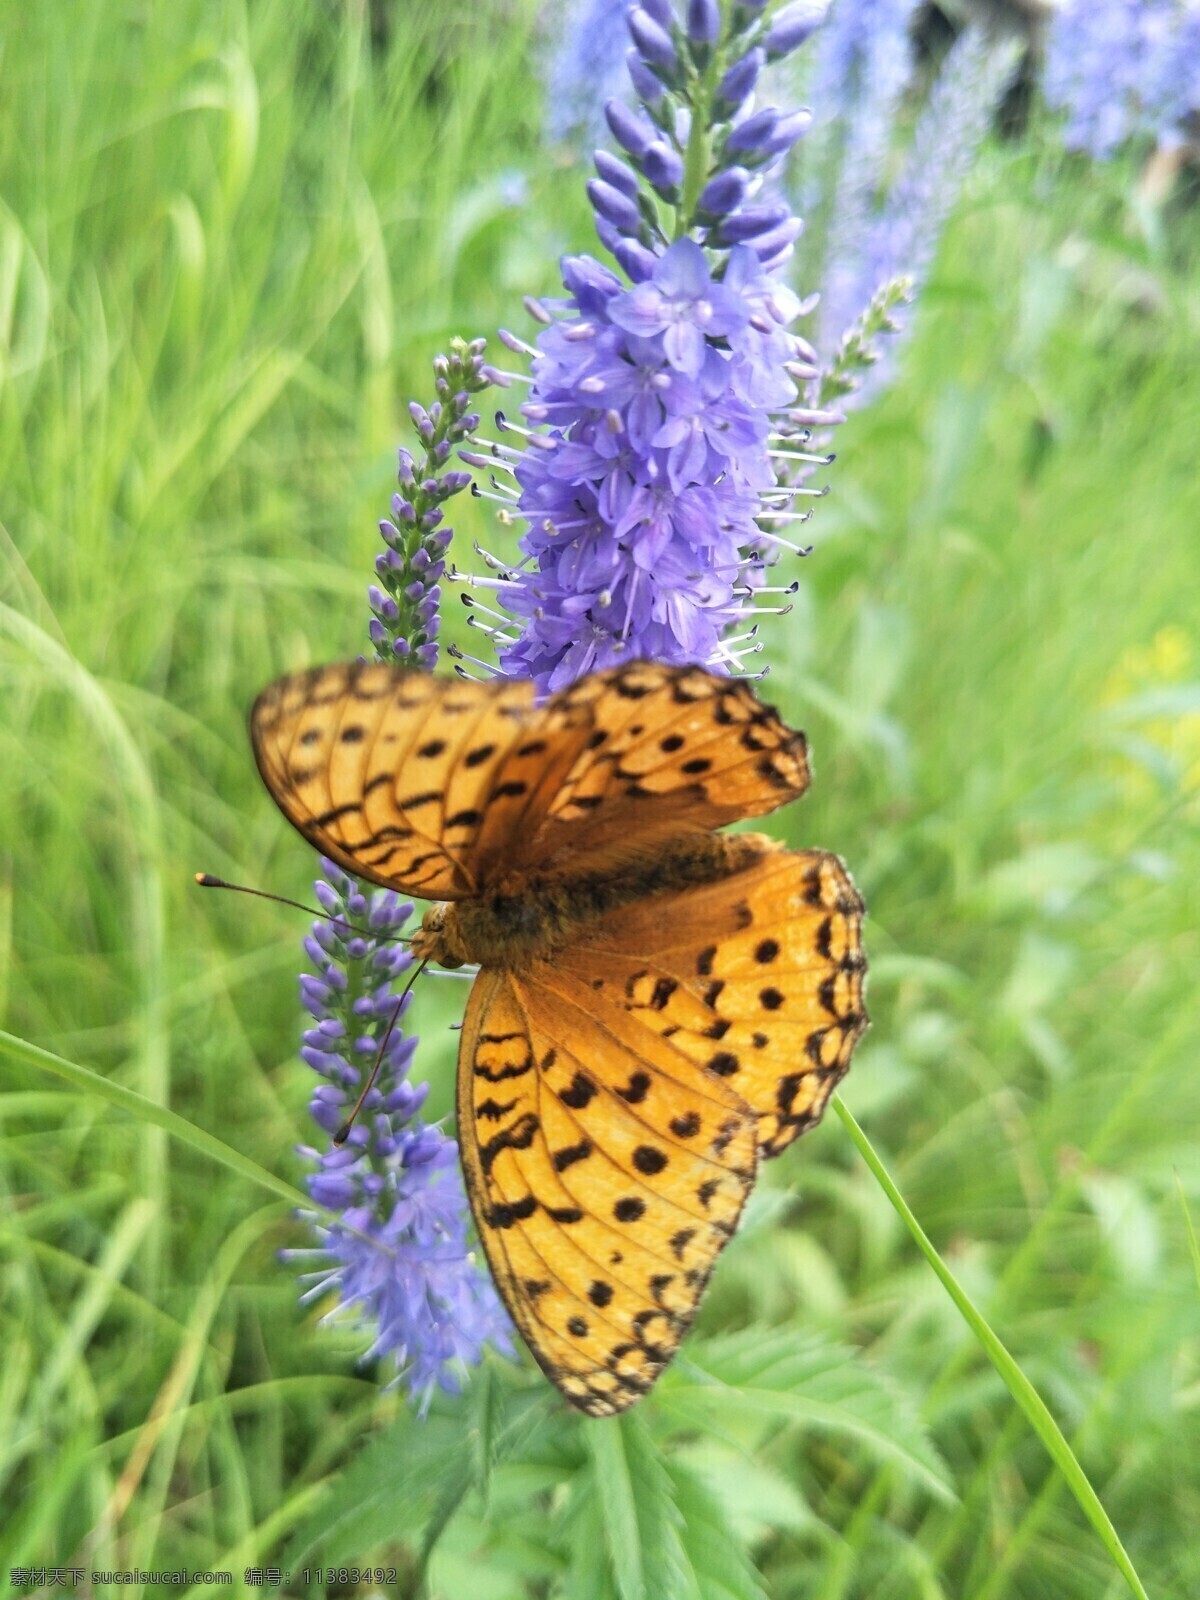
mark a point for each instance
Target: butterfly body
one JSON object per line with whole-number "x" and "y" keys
{"x": 659, "y": 1006}
{"x": 519, "y": 921}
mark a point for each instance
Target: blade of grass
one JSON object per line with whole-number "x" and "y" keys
{"x": 1191, "y": 1228}
{"x": 89, "y": 1082}
{"x": 1018, "y": 1385}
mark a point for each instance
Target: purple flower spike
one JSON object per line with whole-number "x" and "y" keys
{"x": 882, "y": 237}
{"x": 652, "y": 479}
{"x": 397, "y": 1256}
{"x": 403, "y": 620}
{"x": 1123, "y": 71}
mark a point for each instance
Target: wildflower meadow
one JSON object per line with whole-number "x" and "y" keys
{"x": 849, "y": 350}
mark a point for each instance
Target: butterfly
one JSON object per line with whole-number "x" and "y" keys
{"x": 658, "y": 1007}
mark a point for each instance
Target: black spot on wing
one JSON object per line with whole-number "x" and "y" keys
{"x": 578, "y": 1092}
{"x": 636, "y": 1090}
{"x": 680, "y": 1241}
{"x": 647, "y": 1160}
{"x": 492, "y": 1110}
{"x": 568, "y": 1156}
{"x": 519, "y": 1137}
{"x": 505, "y": 1213}
{"x": 414, "y": 802}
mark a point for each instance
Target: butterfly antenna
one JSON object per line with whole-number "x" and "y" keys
{"x": 207, "y": 881}
{"x": 343, "y": 1132}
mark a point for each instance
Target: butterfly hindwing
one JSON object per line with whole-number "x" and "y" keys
{"x": 605, "y": 1176}
{"x": 756, "y": 978}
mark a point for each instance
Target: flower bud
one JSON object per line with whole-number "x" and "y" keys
{"x": 738, "y": 83}
{"x": 646, "y": 86}
{"x": 750, "y": 136}
{"x": 703, "y": 23}
{"x": 611, "y": 204}
{"x": 653, "y": 42}
{"x": 664, "y": 171}
{"x": 722, "y": 194}
{"x": 792, "y": 26}
{"x": 616, "y": 173}
{"x": 746, "y": 225}
{"x": 638, "y": 262}
{"x": 633, "y": 133}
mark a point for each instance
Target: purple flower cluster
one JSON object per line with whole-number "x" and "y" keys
{"x": 655, "y": 478}
{"x": 951, "y": 127}
{"x": 698, "y": 143}
{"x": 896, "y": 244}
{"x": 404, "y": 603}
{"x": 394, "y": 1251}
{"x": 396, "y": 1256}
{"x": 863, "y": 64}
{"x": 1123, "y": 69}
{"x": 642, "y": 498}
{"x": 586, "y": 67}
{"x": 879, "y": 216}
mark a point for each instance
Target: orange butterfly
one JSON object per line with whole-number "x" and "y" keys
{"x": 658, "y": 1005}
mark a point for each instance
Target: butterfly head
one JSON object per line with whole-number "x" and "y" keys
{"x": 438, "y": 938}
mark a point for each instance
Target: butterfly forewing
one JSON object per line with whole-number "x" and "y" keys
{"x": 436, "y": 786}
{"x": 389, "y": 772}
{"x": 673, "y": 750}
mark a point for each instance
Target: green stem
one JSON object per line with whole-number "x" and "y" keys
{"x": 699, "y": 145}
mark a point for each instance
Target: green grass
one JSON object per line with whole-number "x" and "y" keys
{"x": 231, "y": 240}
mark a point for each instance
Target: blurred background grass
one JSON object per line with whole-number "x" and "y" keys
{"x": 232, "y": 237}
